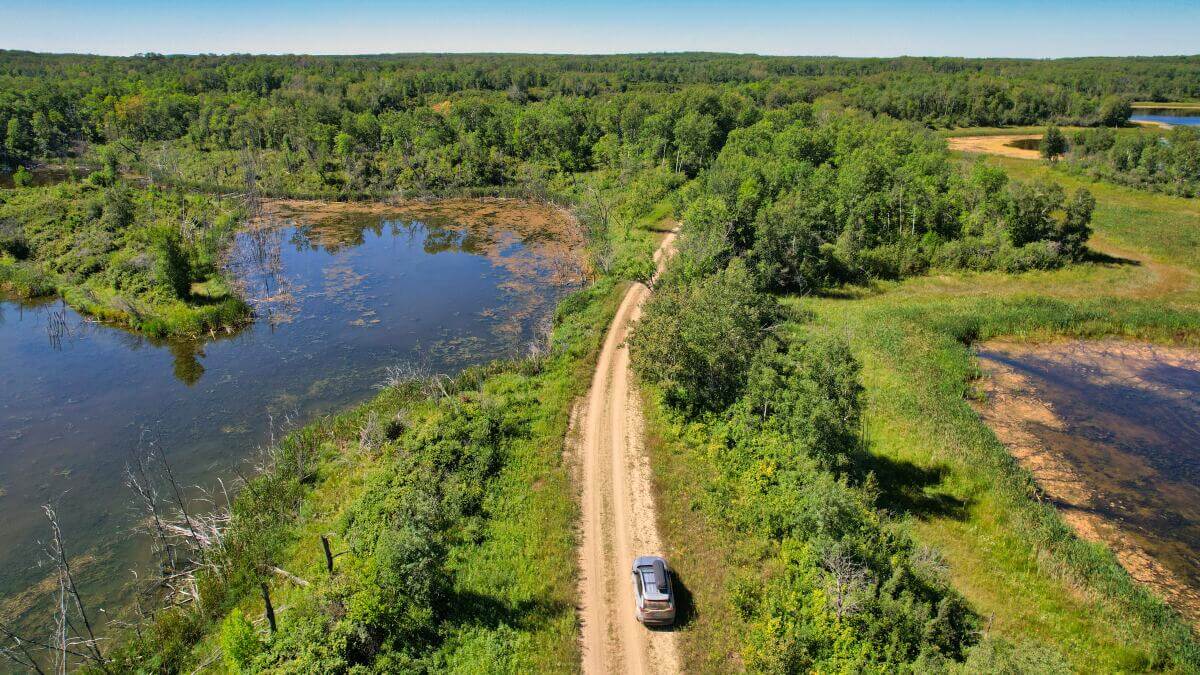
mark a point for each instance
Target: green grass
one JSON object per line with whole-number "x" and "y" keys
{"x": 1185, "y": 105}
{"x": 1011, "y": 557}
{"x": 700, "y": 552}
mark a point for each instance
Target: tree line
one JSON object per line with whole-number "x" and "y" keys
{"x": 48, "y": 103}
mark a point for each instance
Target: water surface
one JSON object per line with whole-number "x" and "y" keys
{"x": 1121, "y": 424}
{"x": 338, "y": 299}
{"x": 1173, "y": 116}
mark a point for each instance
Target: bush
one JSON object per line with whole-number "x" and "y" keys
{"x": 172, "y": 268}
{"x": 697, "y": 339}
{"x": 239, "y": 642}
{"x": 22, "y": 177}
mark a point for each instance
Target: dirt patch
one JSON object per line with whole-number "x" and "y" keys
{"x": 995, "y": 145}
{"x": 1099, "y": 470}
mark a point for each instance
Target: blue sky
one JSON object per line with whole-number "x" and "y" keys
{"x": 851, "y": 28}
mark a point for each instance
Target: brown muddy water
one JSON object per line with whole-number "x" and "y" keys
{"x": 341, "y": 294}
{"x": 1111, "y": 432}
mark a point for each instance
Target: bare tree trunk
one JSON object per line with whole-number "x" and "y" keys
{"x": 68, "y": 587}
{"x": 328, "y": 555}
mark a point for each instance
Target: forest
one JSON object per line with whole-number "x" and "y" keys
{"x": 447, "y": 500}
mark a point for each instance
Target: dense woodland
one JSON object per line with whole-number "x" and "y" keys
{"x": 790, "y": 176}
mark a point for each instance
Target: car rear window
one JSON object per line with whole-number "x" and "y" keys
{"x": 658, "y": 604}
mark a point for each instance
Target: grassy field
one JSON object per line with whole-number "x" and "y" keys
{"x": 1185, "y": 105}
{"x": 942, "y": 471}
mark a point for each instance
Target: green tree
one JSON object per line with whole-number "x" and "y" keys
{"x": 697, "y": 339}
{"x": 1054, "y": 144}
{"x": 1075, "y": 228}
{"x": 172, "y": 269}
{"x": 22, "y": 177}
{"x": 18, "y": 141}
{"x": 1115, "y": 111}
{"x": 695, "y": 135}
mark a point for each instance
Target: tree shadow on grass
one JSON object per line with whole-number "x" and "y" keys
{"x": 907, "y": 488}
{"x": 1094, "y": 256}
{"x": 471, "y": 608}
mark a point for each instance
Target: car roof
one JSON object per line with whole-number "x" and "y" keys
{"x": 655, "y": 579}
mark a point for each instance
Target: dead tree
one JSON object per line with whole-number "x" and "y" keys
{"x": 69, "y": 597}
{"x": 847, "y": 578}
{"x": 21, "y": 652}
{"x": 139, "y": 480}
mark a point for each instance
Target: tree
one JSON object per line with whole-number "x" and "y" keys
{"x": 172, "y": 269}
{"x": 1115, "y": 111}
{"x": 698, "y": 339}
{"x": 1074, "y": 230}
{"x": 1054, "y": 144}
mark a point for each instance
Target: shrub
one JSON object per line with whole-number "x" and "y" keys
{"x": 697, "y": 339}
{"x": 22, "y": 177}
{"x": 172, "y": 268}
{"x": 239, "y": 642}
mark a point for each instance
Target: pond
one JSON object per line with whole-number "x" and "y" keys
{"x": 44, "y": 176}
{"x": 1111, "y": 431}
{"x": 340, "y": 294}
{"x": 1172, "y": 116}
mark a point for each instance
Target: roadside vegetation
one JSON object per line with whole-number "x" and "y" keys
{"x": 916, "y": 455}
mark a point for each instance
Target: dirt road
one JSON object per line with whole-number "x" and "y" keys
{"x": 618, "y": 513}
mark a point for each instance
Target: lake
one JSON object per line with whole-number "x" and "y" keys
{"x": 340, "y": 295}
{"x": 1111, "y": 431}
{"x": 1172, "y": 116}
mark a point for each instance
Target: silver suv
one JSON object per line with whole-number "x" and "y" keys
{"x": 653, "y": 593}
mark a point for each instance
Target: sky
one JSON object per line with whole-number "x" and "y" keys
{"x": 1022, "y": 28}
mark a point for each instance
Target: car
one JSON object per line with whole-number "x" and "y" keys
{"x": 653, "y": 592}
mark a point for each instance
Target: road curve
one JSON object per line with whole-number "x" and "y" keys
{"x": 618, "y": 515}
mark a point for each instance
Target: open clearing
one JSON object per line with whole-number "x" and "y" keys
{"x": 995, "y": 145}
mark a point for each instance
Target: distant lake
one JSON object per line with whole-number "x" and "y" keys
{"x": 340, "y": 296}
{"x": 1172, "y": 116}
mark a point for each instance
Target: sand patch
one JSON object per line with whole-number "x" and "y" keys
{"x": 995, "y": 145}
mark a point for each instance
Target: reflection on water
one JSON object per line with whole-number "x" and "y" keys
{"x": 1124, "y": 422}
{"x": 338, "y": 302}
